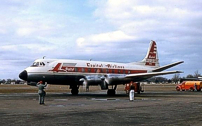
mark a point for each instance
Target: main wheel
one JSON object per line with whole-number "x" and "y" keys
{"x": 111, "y": 92}
{"x": 74, "y": 91}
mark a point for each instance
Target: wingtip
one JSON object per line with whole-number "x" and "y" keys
{"x": 179, "y": 71}
{"x": 179, "y": 62}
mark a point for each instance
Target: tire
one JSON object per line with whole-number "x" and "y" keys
{"x": 177, "y": 88}
{"x": 111, "y": 92}
{"x": 74, "y": 92}
{"x": 191, "y": 89}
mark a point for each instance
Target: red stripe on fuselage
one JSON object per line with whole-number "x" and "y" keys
{"x": 56, "y": 68}
{"x": 95, "y": 70}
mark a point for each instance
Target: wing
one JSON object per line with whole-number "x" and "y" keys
{"x": 142, "y": 76}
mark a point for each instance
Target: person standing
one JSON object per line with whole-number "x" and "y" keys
{"x": 195, "y": 87}
{"x": 41, "y": 92}
{"x": 131, "y": 93}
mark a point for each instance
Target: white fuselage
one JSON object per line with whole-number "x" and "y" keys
{"x": 63, "y": 71}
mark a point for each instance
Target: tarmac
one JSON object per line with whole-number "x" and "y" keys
{"x": 95, "y": 108}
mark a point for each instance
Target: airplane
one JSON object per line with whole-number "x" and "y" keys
{"x": 106, "y": 74}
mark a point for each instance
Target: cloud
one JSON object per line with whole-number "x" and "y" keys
{"x": 109, "y": 30}
{"x": 104, "y": 38}
{"x": 175, "y": 26}
{"x": 148, "y": 19}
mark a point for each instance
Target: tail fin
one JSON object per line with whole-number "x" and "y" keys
{"x": 151, "y": 59}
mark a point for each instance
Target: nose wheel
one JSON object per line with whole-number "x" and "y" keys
{"x": 75, "y": 89}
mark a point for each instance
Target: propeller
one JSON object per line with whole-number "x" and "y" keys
{"x": 85, "y": 84}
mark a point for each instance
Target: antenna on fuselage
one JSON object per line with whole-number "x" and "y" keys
{"x": 90, "y": 59}
{"x": 44, "y": 57}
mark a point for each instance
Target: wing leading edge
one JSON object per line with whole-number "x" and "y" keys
{"x": 142, "y": 76}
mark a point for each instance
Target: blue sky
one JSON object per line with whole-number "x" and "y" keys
{"x": 107, "y": 30}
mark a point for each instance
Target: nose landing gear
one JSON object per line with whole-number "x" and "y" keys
{"x": 75, "y": 89}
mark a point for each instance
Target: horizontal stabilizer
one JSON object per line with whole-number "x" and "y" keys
{"x": 167, "y": 66}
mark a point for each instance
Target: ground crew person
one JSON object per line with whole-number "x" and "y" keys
{"x": 195, "y": 88}
{"x": 131, "y": 93}
{"x": 41, "y": 92}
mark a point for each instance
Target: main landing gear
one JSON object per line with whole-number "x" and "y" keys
{"x": 112, "y": 92}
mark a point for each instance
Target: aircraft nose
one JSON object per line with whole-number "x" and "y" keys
{"x": 23, "y": 75}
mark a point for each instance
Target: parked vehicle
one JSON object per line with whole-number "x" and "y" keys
{"x": 189, "y": 85}
{"x": 137, "y": 87}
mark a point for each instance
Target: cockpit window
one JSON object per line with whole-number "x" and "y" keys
{"x": 42, "y": 64}
{"x": 37, "y": 64}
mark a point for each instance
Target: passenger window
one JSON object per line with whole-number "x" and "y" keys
{"x": 76, "y": 69}
{"x": 107, "y": 71}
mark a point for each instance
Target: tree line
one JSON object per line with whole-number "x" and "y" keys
{"x": 11, "y": 81}
{"x": 176, "y": 78}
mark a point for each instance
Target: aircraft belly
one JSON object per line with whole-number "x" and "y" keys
{"x": 55, "y": 78}
{"x": 74, "y": 79}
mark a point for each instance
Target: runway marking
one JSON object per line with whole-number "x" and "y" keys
{"x": 105, "y": 99}
{"x": 60, "y": 99}
{"x": 147, "y": 99}
{"x": 65, "y": 105}
{"x": 57, "y": 105}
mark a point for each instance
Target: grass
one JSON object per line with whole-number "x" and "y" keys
{"x": 20, "y": 88}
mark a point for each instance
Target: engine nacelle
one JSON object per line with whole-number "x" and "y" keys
{"x": 91, "y": 80}
{"x": 95, "y": 80}
{"x": 114, "y": 79}
{"x": 104, "y": 81}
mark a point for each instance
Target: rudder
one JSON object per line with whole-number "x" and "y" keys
{"x": 151, "y": 59}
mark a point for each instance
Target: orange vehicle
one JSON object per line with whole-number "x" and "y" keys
{"x": 189, "y": 85}
{"x": 137, "y": 87}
